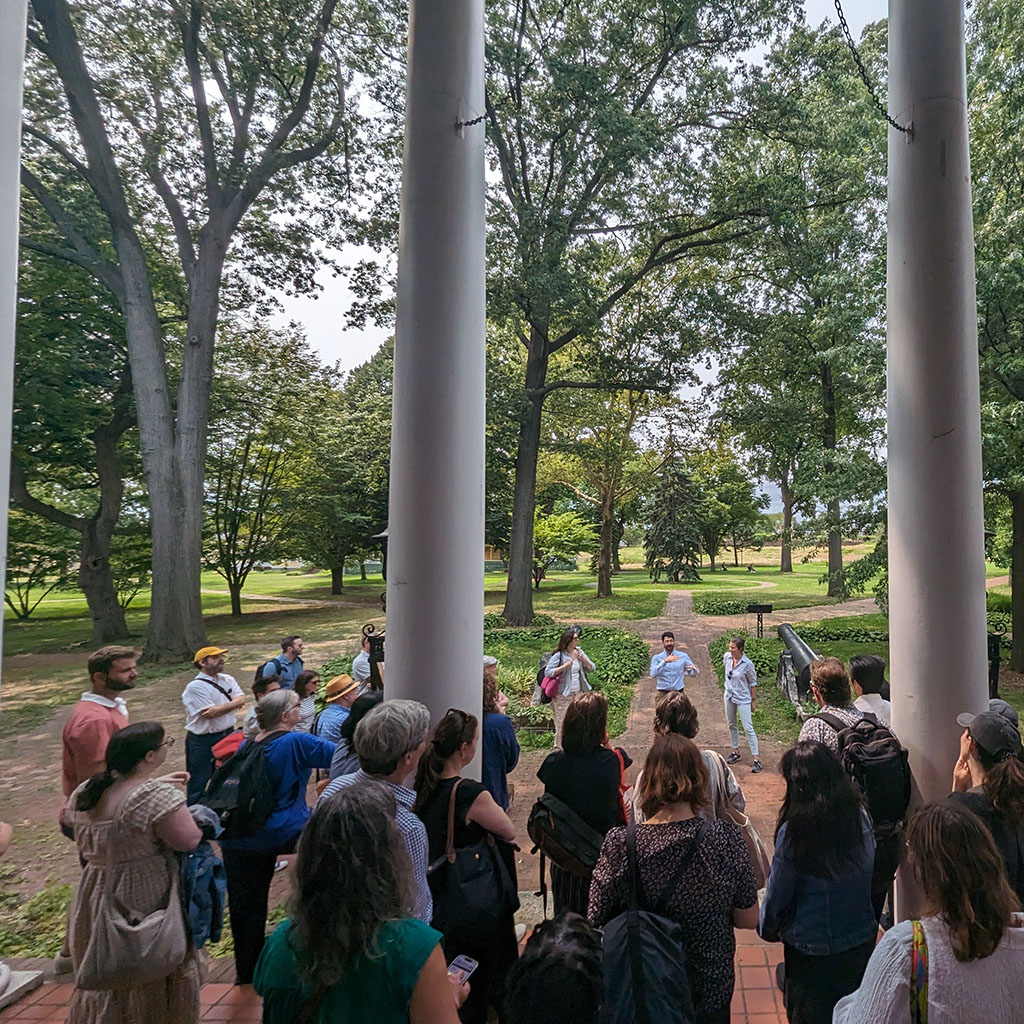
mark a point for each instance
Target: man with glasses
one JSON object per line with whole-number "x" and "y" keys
{"x": 740, "y": 699}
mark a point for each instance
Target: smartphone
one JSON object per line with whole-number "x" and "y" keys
{"x": 462, "y": 967}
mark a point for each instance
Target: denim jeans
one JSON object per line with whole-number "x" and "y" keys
{"x": 743, "y": 710}
{"x": 199, "y": 760}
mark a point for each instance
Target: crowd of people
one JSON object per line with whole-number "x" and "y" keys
{"x": 404, "y": 879}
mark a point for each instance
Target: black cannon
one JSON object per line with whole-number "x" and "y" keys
{"x": 794, "y": 675}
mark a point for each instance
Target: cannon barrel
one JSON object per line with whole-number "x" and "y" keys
{"x": 801, "y": 653}
{"x": 794, "y": 674}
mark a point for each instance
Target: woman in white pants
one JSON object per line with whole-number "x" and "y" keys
{"x": 569, "y": 665}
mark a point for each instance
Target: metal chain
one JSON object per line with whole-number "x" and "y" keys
{"x": 459, "y": 125}
{"x": 906, "y": 129}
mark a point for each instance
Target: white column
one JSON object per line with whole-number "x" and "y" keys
{"x": 435, "y": 533}
{"x": 936, "y": 539}
{"x": 13, "y": 15}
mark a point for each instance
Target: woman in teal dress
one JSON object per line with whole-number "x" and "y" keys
{"x": 351, "y": 952}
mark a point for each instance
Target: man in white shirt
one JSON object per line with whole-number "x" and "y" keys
{"x": 867, "y": 674}
{"x": 210, "y": 700}
{"x": 361, "y": 667}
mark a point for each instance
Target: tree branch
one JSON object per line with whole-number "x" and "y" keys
{"x": 612, "y": 385}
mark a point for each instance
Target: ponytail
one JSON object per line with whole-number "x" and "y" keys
{"x": 126, "y": 750}
{"x": 457, "y": 727}
{"x": 1004, "y": 787}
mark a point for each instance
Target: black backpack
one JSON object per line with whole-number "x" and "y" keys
{"x": 873, "y": 757}
{"x": 562, "y": 836}
{"x": 648, "y": 949}
{"x": 239, "y": 791}
{"x": 276, "y": 662}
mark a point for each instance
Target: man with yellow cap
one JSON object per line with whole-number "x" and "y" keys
{"x": 210, "y": 700}
{"x": 341, "y": 693}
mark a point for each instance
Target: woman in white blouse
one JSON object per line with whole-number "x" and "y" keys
{"x": 569, "y": 665}
{"x": 971, "y": 940}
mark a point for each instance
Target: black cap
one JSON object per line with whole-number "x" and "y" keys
{"x": 1008, "y": 711}
{"x": 994, "y": 733}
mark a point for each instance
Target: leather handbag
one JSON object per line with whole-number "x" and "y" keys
{"x": 472, "y": 886}
{"x": 126, "y": 949}
{"x": 759, "y": 859}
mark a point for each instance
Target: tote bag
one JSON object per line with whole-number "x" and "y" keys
{"x": 759, "y": 859}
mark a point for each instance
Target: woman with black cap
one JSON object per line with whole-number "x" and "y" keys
{"x": 989, "y": 779}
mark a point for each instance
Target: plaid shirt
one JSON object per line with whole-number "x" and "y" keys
{"x": 413, "y": 831}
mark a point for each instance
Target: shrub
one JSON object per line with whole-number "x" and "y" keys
{"x": 764, "y": 653}
{"x": 710, "y": 604}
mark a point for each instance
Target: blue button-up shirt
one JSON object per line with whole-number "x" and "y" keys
{"x": 412, "y": 830}
{"x": 287, "y": 673}
{"x": 327, "y": 725}
{"x": 739, "y": 678}
{"x": 671, "y": 675}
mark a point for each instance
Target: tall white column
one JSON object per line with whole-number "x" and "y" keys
{"x": 435, "y": 533}
{"x": 936, "y": 533}
{"x": 13, "y": 15}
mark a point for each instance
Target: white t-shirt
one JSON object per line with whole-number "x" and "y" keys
{"x": 875, "y": 704}
{"x": 986, "y": 991}
{"x": 201, "y": 694}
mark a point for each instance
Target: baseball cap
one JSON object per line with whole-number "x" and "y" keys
{"x": 339, "y": 686}
{"x": 1007, "y": 710}
{"x": 994, "y": 733}
{"x": 209, "y": 652}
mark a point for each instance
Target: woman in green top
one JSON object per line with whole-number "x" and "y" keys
{"x": 351, "y": 952}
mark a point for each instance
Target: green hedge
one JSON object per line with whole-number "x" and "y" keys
{"x": 709, "y": 604}
{"x": 492, "y": 620}
{"x": 763, "y": 653}
{"x": 620, "y": 658}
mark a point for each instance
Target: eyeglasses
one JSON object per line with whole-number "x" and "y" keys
{"x": 169, "y": 742}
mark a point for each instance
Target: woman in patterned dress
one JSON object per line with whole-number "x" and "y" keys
{"x": 125, "y": 815}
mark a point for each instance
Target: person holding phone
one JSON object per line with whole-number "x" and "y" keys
{"x": 351, "y": 950}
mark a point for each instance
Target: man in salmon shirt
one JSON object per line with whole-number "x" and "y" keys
{"x": 100, "y": 713}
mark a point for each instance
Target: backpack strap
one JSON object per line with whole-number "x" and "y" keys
{"x": 918, "y": 975}
{"x": 450, "y": 845}
{"x": 215, "y": 685}
{"x": 636, "y": 963}
{"x": 677, "y": 876}
{"x": 833, "y": 720}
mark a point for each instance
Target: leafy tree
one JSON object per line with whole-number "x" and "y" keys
{"x": 807, "y": 294}
{"x": 341, "y": 497}
{"x": 672, "y": 541}
{"x": 191, "y": 126}
{"x": 559, "y": 537}
{"x": 598, "y": 455}
{"x": 268, "y": 403}
{"x": 40, "y": 559}
{"x": 603, "y": 121}
{"x": 74, "y": 445}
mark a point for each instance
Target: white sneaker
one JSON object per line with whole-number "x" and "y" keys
{"x": 520, "y": 932}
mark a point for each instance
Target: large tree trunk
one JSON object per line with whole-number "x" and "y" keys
{"x": 786, "y": 563}
{"x": 97, "y": 584}
{"x": 835, "y": 537}
{"x": 604, "y": 558}
{"x": 518, "y": 609}
{"x": 337, "y": 579}
{"x": 362, "y": 569}
{"x": 235, "y": 590}
{"x": 1017, "y": 581}
{"x": 617, "y": 533}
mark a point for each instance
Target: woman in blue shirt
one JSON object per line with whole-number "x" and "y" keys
{"x": 818, "y": 899}
{"x": 249, "y": 861}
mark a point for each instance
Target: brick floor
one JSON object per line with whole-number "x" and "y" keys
{"x": 756, "y": 1001}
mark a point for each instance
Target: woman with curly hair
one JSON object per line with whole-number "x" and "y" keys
{"x": 500, "y": 752}
{"x": 351, "y": 949}
{"x": 969, "y": 945}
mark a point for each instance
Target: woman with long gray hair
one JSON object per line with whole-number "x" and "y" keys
{"x": 351, "y": 949}
{"x": 249, "y": 861}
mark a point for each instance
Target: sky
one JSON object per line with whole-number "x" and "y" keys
{"x": 322, "y": 316}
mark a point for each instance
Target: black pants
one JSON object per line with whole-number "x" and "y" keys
{"x": 199, "y": 760}
{"x": 249, "y": 874}
{"x": 569, "y": 892}
{"x": 814, "y": 984}
{"x": 887, "y": 860}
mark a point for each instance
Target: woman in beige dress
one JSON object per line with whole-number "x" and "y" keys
{"x": 125, "y": 815}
